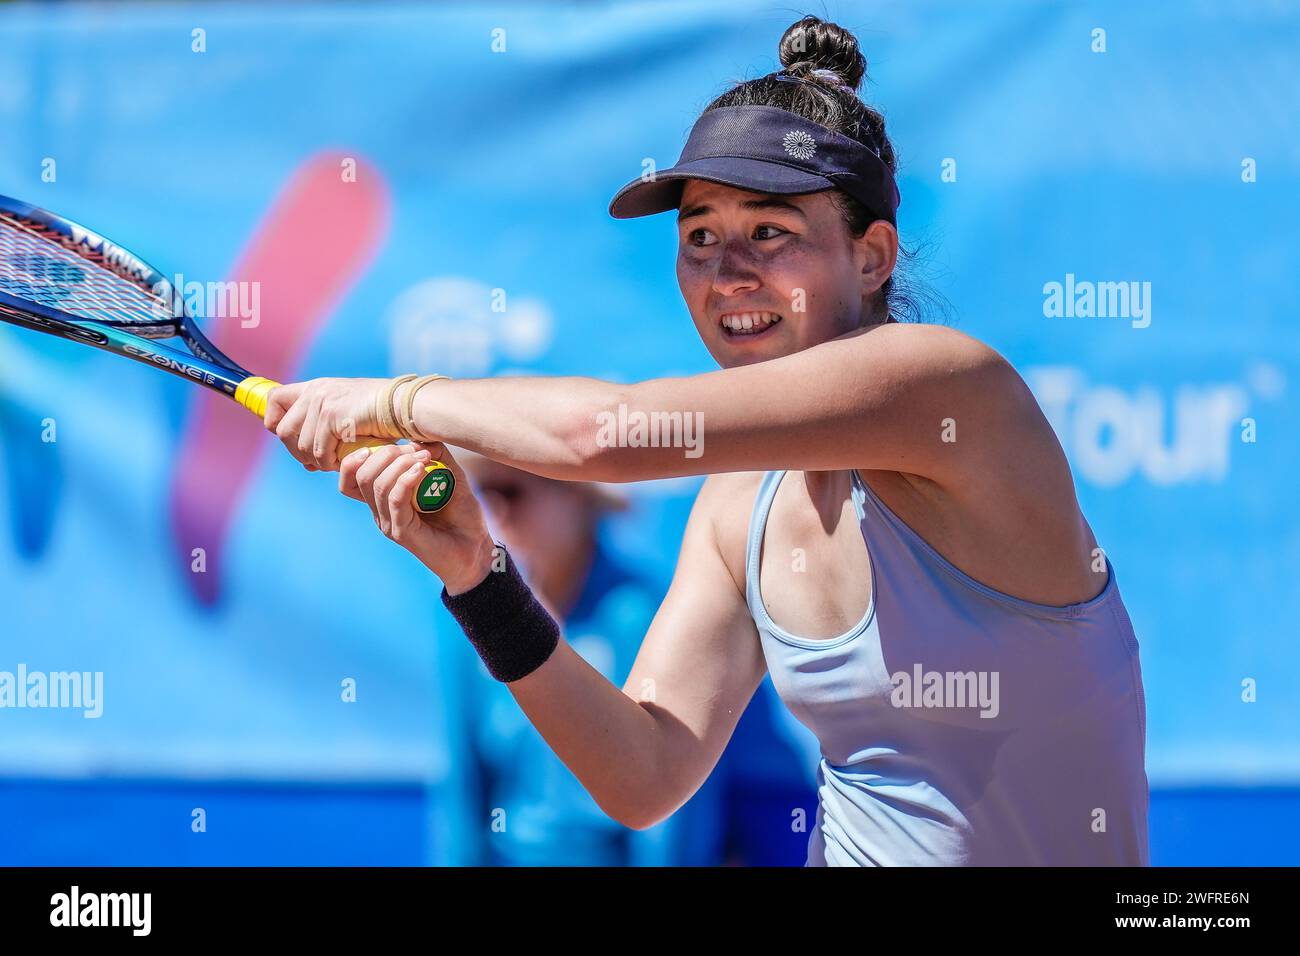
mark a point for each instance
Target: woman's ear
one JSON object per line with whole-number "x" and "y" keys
{"x": 878, "y": 248}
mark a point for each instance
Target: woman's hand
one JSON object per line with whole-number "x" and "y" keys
{"x": 313, "y": 418}
{"x": 453, "y": 543}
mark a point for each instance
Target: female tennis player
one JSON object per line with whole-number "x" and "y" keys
{"x": 889, "y": 525}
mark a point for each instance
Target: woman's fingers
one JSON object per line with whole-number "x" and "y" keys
{"x": 307, "y": 434}
{"x": 325, "y": 443}
{"x": 370, "y": 474}
{"x": 401, "y": 512}
{"x": 438, "y": 452}
{"x": 348, "y": 468}
{"x": 370, "y": 470}
{"x": 382, "y": 488}
{"x": 279, "y": 401}
{"x": 386, "y": 478}
{"x": 313, "y": 418}
{"x": 289, "y": 426}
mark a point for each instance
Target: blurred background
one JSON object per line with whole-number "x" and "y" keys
{"x": 416, "y": 188}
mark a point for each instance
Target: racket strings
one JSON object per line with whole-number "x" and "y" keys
{"x": 37, "y": 265}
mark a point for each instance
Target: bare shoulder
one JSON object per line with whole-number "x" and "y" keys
{"x": 726, "y": 502}
{"x": 975, "y": 390}
{"x": 1005, "y": 510}
{"x": 923, "y": 341}
{"x": 937, "y": 333}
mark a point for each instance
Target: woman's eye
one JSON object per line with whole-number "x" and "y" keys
{"x": 703, "y": 237}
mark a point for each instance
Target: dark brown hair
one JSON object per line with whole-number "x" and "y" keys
{"x": 827, "y": 57}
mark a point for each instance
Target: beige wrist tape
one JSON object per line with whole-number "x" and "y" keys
{"x": 407, "y": 423}
{"x": 384, "y": 417}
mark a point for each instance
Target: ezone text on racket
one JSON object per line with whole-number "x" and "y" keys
{"x": 171, "y": 363}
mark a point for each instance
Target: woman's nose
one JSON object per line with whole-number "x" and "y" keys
{"x": 736, "y": 272}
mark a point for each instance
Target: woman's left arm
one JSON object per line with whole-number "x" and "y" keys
{"x": 926, "y": 400}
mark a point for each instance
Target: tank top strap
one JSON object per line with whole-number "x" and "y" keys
{"x": 757, "y": 524}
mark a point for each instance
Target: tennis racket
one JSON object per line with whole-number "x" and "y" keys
{"x": 63, "y": 279}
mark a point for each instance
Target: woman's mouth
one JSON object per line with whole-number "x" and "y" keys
{"x": 748, "y": 324}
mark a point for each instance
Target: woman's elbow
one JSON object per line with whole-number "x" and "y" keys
{"x": 640, "y": 817}
{"x": 590, "y": 436}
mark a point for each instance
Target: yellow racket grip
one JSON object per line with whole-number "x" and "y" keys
{"x": 252, "y": 393}
{"x": 432, "y": 494}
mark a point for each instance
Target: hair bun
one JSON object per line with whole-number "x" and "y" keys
{"x": 815, "y": 44}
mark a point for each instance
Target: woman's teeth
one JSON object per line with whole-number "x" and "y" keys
{"x": 749, "y": 323}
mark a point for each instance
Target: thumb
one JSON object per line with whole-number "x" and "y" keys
{"x": 437, "y": 451}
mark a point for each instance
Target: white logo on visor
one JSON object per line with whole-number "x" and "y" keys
{"x": 799, "y": 144}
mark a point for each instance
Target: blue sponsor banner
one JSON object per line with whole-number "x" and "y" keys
{"x": 1108, "y": 195}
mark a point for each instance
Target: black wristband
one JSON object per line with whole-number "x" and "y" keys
{"x": 505, "y": 622}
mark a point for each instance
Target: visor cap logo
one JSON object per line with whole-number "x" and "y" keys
{"x": 799, "y": 144}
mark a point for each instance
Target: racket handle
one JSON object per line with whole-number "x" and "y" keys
{"x": 431, "y": 495}
{"x": 348, "y": 447}
{"x": 252, "y": 393}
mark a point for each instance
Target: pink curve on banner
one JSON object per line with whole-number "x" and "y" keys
{"x": 311, "y": 247}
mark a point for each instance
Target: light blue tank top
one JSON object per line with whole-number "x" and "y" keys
{"x": 960, "y": 725}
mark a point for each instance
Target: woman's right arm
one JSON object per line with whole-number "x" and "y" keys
{"x": 643, "y": 751}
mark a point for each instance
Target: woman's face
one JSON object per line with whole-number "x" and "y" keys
{"x": 785, "y": 266}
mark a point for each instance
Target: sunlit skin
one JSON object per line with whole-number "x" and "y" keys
{"x": 855, "y": 392}
{"x": 743, "y": 251}
{"x": 793, "y": 255}
{"x": 738, "y": 251}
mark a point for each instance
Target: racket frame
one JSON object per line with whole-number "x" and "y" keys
{"x": 204, "y": 364}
